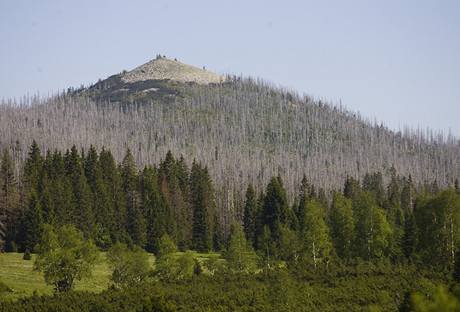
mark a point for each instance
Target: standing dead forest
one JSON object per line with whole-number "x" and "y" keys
{"x": 243, "y": 130}
{"x": 231, "y": 196}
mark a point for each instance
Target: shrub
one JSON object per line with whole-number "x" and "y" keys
{"x": 129, "y": 266}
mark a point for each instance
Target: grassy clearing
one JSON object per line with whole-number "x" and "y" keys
{"x": 19, "y": 275}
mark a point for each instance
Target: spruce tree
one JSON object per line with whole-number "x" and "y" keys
{"x": 409, "y": 242}
{"x": 351, "y": 187}
{"x": 275, "y": 207}
{"x": 32, "y": 168}
{"x": 456, "y": 271}
{"x": 31, "y": 223}
{"x": 250, "y": 215}
{"x": 217, "y": 234}
{"x": 154, "y": 209}
{"x": 9, "y": 201}
{"x": 100, "y": 198}
{"x": 135, "y": 222}
{"x": 116, "y": 205}
{"x": 203, "y": 204}
{"x": 83, "y": 217}
{"x": 407, "y": 194}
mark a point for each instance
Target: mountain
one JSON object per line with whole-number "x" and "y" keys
{"x": 242, "y": 129}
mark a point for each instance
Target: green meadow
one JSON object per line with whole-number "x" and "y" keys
{"x": 19, "y": 275}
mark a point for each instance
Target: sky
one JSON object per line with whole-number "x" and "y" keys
{"x": 397, "y": 62}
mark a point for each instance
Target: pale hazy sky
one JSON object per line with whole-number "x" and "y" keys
{"x": 396, "y": 61}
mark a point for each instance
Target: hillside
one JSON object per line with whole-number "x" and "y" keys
{"x": 242, "y": 129}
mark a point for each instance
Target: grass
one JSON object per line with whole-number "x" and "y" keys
{"x": 19, "y": 275}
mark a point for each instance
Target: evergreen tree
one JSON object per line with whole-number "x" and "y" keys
{"x": 174, "y": 178}
{"x": 111, "y": 179}
{"x": 9, "y": 201}
{"x": 83, "y": 217}
{"x": 135, "y": 222}
{"x": 181, "y": 201}
{"x": 266, "y": 246}
{"x": 32, "y": 168}
{"x": 307, "y": 192}
{"x": 373, "y": 183}
{"x": 156, "y": 215}
{"x": 407, "y": 195}
{"x": 217, "y": 236}
{"x": 351, "y": 187}
{"x": 456, "y": 271}
{"x": 275, "y": 207}
{"x": 203, "y": 203}
{"x": 31, "y": 224}
{"x": 100, "y": 198}
{"x": 409, "y": 242}
{"x": 250, "y": 215}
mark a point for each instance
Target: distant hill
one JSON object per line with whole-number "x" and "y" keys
{"x": 243, "y": 129}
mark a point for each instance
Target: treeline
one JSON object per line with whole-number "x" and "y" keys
{"x": 110, "y": 202}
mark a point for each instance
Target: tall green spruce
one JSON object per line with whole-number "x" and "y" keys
{"x": 9, "y": 202}
{"x": 250, "y": 215}
{"x": 112, "y": 182}
{"x": 275, "y": 208}
{"x": 135, "y": 222}
{"x": 82, "y": 204}
{"x": 154, "y": 207}
{"x": 32, "y": 223}
{"x": 203, "y": 204}
{"x": 174, "y": 181}
{"x": 103, "y": 211}
{"x": 32, "y": 217}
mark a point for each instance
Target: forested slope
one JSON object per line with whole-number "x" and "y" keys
{"x": 243, "y": 130}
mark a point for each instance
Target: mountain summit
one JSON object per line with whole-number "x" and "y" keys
{"x": 162, "y": 68}
{"x": 157, "y": 79}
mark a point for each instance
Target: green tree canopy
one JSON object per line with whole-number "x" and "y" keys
{"x": 64, "y": 257}
{"x": 129, "y": 266}
{"x": 316, "y": 239}
{"x": 342, "y": 225}
{"x": 239, "y": 254}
